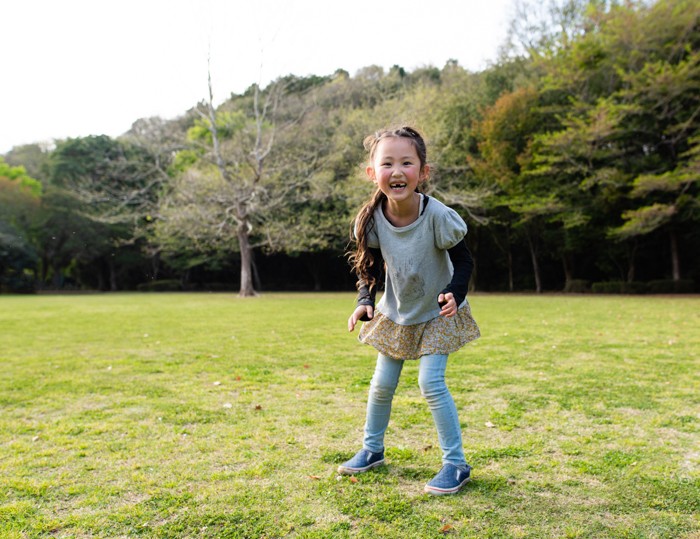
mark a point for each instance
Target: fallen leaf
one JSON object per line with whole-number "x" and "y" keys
{"x": 315, "y": 477}
{"x": 447, "y": 528}
{"x": 306, "y": 366}
{"x": 489, "y": 425}
{"x": 354, "y": 479}
{"x": 258, "y": 407}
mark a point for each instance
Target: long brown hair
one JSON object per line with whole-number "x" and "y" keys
{"x": 361, "y": 258}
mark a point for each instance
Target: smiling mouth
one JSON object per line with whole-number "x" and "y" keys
{"x": 397, "y": 186}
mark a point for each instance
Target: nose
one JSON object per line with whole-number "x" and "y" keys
{"x": 396, "y": 172}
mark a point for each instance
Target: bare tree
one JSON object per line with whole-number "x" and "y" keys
{"x": 241, "y": 202}
{"x": 230, "y": 190}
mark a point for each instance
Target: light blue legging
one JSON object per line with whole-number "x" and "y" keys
{"x": 431, "y": 379}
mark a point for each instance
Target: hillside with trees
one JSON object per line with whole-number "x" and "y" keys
{"x": 574, "y": 159}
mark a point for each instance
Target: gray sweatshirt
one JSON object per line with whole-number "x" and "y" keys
{"x": 418, "y": 265}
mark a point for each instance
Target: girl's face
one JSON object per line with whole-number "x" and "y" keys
{"x": 396, "y": 169}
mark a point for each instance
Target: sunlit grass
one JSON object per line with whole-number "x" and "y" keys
{"x": 179, "y": 415}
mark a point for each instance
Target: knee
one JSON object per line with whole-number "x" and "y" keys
{"x": 382, "y": 390}
{"x": 431, "y": 385}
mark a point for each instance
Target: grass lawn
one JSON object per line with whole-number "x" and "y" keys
{"x": 207, "y": 415}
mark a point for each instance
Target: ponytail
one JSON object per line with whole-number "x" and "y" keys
{"x": 362, "y": 259}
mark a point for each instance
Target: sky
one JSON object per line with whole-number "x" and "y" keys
{"x": 73, "y": 68}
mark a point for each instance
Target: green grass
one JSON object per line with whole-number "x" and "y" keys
{"x": 182, "y": 415}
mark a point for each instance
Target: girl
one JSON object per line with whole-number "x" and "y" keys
{"x": 419, "y": 243}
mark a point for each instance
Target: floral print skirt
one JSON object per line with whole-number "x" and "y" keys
{"x": 437, "y": 336}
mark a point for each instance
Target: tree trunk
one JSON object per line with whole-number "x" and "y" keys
{"x": 675, "y": 257}
{"x": 535, "y": 263}
{"x": 185, "y": 278}
{"x": 155, "y": 265}
{"x": 313, "y": 264}
{"x": 257, "y": 283}
{"x": 509, "y": 259}
{"x": 511, "y": 284}
{"x": 112, "y": 275}
{"x": 247, "y": 289}
{"x": 631, "y": 271}
{"x": 45, "y": 264}
{"x": 101, "y": 278}
{"x": 57, "y": 277}
{"x": 471, "y": 286}
{"x": 567, "y": 262}
{"x": 631, "y": 267}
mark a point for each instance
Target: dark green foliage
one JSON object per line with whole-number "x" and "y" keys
{"x": 577, "y": 286}
{"x": 163, "y": 285}
{"x": 620, "y": 287}
{"x": 17, "y": 259}
{"x": 684, "y": 286}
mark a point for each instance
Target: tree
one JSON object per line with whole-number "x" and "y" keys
{"x": 627, "y": 127}
{"x": 662, "y": 103}
{"x": 224, "y": 190}
{"x": 676, "y": 202}
{"x": 99, "y": 190}
{"x": 33, "y": 157}
{"x": 116, "y": 181}
{"x": 20, "y": 195}
{"x": 506, "y": 133}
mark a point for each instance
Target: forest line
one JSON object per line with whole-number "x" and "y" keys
{"x": 574, "y": 159}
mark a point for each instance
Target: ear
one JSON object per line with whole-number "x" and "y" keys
{"x": 424, "y": 174}
{"x": 370, "y": 173}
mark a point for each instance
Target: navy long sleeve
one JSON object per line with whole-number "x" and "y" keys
{"x": 367, "y": 295}
{"x": 463, "y": 264}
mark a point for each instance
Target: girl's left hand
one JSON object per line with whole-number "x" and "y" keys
{"x": 449, "y": 309}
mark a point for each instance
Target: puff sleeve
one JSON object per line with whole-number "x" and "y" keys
{"x": 449, "y": 229}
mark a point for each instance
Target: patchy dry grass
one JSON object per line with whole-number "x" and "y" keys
{"x": 212, "y": 416}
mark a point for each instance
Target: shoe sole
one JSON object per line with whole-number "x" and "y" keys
{"x": 436, "y": 491}
{"x": 350, "y": 471}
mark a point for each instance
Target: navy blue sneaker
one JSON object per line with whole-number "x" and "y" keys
{"x": 362, "y": 461}
{"x": 448, "y": 480}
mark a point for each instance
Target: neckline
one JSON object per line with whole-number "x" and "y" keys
{"x": 423, "y": 204}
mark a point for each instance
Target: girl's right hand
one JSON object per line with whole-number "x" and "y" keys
{"x": 361, "y": 311}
